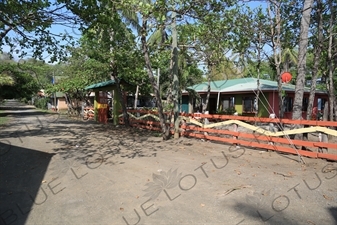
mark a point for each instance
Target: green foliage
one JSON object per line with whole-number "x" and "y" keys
{"x": 39, "y": 70}
{"x": 41, "y": 103}
{"x": 266, "y": 70}
{"x": 25, "y": 25}
{"x": 6, "y": 79}
{"x": 228, "y": 111}
{"x": 3, "y": 120}
{"x": 25, "y": 85}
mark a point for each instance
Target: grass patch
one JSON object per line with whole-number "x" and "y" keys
{"x": 3, "y": 120}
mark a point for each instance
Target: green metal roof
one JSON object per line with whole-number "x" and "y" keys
{"x": 60, "y": 94}
{"x": 57, "y": 95}
{"x": 243, "y": 85}
{"x": 100, "y": 85}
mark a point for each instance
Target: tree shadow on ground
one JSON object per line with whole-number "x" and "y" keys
{"x": 263, "y": 215}
{"x": 106, "y": 143}
{"x": 16, "y": 108}
{"x": 23, "y": 113}
{"x": 262, "y": 209}
{"x": 333, "y": 212}
{"x": 81, "y": 140}
{"x": 21, "y": 176}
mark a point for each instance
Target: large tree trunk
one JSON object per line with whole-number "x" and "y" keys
{"x": 174, "y": 74}
{"x": 114, "y": 75}
{"x": 331, "y": 67}
{"x": 164, "y": 127}
{"x": 136, "y": 98}
{"x": 275, "y": 28}
{"x": 302, "y": 53}
{"x": 259, "y": 48}
{"x": 335, "y": 108}
{"x": 122, "y": 98}
{"x": 317, "y": 54}
{"x": 205, "y": 105}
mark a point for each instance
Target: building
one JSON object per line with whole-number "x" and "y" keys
{"x": 240, "y": 94}
{"x": 59, "y": 100}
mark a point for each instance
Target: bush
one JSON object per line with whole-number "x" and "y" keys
{"x": 41, "y": 103}
{"x": 24, "y": 100}
{"x": 228, "y": 111}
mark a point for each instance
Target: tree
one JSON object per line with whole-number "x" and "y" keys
{"x": 30, "y": 22}
{"x": 78, "y": 72}
{"x": 22, "y": 86}
{"x": 274, "y": 11}
{"x": 318, "y": 47}
{"x": 145, "y": 48}
{"x": 213, "y": 38}
{"x": 301, "y": 68}
{"x": 111, "y": 40}
{"x": 155, "y": 14}
{"x": 332, "y": 60}
{"x": 6, "y": 79}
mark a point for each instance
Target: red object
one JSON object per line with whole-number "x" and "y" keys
{"x": 286, "y": 77}
{"x": 102, "y": 106}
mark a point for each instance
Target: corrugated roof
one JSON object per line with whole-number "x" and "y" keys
{"x": 242, "y": 85}
{"x": 100, "y": 85}
{"x": 60, "y": 94}
{"x": 218, "y": 85}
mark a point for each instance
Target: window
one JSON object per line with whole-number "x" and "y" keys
{"x": 249, "y": 104}
{"x": 228, "y": 103}
{"x": 305, "y": 104}
{"x": 321, "y": 103}
{"x": 288, "y": 104}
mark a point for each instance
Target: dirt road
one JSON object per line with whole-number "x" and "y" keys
{"x": 59, "y": 171}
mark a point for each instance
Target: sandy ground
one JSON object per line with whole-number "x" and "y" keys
{"x": 59, "y": 171}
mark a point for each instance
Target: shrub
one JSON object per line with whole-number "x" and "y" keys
{"x": 41, "y": 103}
{"x": 228, "y": 111}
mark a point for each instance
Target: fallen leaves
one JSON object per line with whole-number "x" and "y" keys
{"x": 238, "y": 172}
{"x": 328, "y": 197}
{"x": 289, "y": 174}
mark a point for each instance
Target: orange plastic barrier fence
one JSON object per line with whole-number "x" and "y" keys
{"x": 254, "y": 140}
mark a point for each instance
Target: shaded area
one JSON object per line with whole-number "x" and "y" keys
{"x": 263, "y": 214}
{"x": 15, "y": 108}
{"x": 81, "y": 140}
{"x": 264, "y": 208}
{"x": 104, "y": 143}
{"x": 333, "y": 212}
{"x": 21, "y": 176}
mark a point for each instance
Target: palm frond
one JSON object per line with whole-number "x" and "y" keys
{"x": 193, "y": 93}
{"x": 291, "y": 54}
{"x": 158, "y": 37}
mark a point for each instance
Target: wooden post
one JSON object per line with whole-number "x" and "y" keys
{"x": 321, "y": 136}
{"x": 235, "y": 128}
{"x": 272, "y": 126}
{"x": 116, "y": 105}
{"x": 96, "y": 104}
{"x": 206, "y": 122}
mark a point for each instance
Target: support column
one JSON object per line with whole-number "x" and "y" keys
{"x": 117, "y": 107}
{"x": 96, "y": 105}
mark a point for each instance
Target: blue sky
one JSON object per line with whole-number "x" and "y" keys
{"x": 55, "y": 29}
{"x": 73, "y": 31}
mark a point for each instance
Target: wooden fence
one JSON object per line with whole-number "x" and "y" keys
{"x": 251, "y": 132}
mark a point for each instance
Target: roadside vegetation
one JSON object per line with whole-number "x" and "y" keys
{"x": 3, "y": 120}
